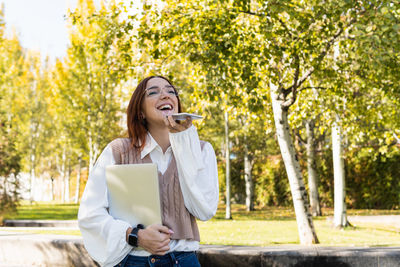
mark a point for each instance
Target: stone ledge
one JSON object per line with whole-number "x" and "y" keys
{"x": 293, "y": 256}
{"x": 19, "y": 249}
{"x": 41, "y": 223}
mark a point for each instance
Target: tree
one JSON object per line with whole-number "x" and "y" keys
{"x": 225, "y": 79}
{"x": 11, "y": 60}
{"x": 90, "y": 81}
{"x": 10, "y": 166}
{"x": 286, "y": 42}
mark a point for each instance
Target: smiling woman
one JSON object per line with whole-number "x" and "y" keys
{"x": 188, "y": 184}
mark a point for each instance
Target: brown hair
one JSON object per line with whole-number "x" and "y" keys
{"x": 137, "y": 125}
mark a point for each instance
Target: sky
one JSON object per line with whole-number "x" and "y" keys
{"x": 39, "y": 24}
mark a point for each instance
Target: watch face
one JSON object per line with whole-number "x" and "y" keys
{"x": 132, "y": 240}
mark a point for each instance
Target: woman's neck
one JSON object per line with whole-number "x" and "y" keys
{"x": 161, "y": 136}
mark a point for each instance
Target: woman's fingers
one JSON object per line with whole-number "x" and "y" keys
{"x": 175, "y": 127}
{"x": 162, "y": 229}
{"x": 155, "y": 239}
{"x": 187, "y": 123}
{"x": 162, "y": 250}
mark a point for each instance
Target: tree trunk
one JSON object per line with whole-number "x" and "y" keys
{"x": 299, "y": 194}
{"x": 78, "y": 180}
{"x": 340, "y": 217}
{"x": 52, "y": 188}
{"x": 228, "y": 169}
{"x": 311, "y": 167}
{"x": 91, "y": 153}
{"x": 67, "y": 179}
{"x": 61, "y": 167}
{"x": 248, "y": 178}
{"x": 33, "y": 176}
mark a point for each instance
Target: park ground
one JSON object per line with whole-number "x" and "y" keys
{"x": 265, "y": 226}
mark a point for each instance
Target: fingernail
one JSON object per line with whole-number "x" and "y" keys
{"x": 170, "y": 231}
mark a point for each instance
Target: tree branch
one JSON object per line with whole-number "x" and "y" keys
{"x": 301, "y": 139}
{"x": 250, "y": 13}
{"x": 397, "y": 139}
{"x": 293, "y": 89}
{"x": 297, "y": 83}
{"x": 312, "y": 87}
{"x": 286, "y": 28}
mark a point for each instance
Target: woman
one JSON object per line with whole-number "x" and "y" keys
{"x": 180, "y": 155}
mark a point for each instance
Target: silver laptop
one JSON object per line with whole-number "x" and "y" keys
{"x": 133, "y": 193}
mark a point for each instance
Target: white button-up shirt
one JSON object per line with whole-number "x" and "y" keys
{"x": 105, "y": 237}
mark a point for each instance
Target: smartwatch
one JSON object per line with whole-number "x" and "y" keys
{"x": 133, "y": 236}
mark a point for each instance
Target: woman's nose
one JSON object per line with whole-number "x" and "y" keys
{"x": 164, "y": 94}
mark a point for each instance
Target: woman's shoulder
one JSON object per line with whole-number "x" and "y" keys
{"x": 120, "y": 145}
{"x": 120, "y": 141}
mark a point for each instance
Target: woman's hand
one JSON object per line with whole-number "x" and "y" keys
{"x": 175, "y": 127}
{"x": 155, "y": 239}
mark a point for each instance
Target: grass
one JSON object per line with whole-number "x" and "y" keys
{"x": 277, "y": 226}
{"x": 44, "y": 211}
{"x": 264, "y": 227}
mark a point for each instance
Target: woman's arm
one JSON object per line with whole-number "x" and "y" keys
{"x": 198, "y": 173}
{"x": 104, "y": 237}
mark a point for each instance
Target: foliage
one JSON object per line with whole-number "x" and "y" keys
{"x": 221, "y": 55}
{"x": 10, "y": 154}
{"x": 10, "y": 165}
{"x": 377, "y": 179}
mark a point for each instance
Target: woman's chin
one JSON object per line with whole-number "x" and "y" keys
{"x": 166, "y": 113}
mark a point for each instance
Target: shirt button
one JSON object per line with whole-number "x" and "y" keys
{"x": 153, "y": 260}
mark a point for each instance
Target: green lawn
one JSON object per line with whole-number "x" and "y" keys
{"x": 45, "y": 211}
{"x": 263, "y": 227}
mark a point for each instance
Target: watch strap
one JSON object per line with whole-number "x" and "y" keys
{"x": 133, "y": 236}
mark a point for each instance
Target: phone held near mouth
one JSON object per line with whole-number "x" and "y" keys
{"x": 183, "y": 116}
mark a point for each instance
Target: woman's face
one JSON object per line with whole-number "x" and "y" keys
{"x": 160, "y": 100}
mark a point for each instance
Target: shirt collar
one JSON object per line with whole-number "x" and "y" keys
{"x": 150, "y": 145}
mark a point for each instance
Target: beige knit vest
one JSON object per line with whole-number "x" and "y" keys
{"x": 174, "y": 214}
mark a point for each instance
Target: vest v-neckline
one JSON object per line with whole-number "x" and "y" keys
{"x": 147, "y": 159}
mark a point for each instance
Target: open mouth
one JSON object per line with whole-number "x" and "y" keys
{"x": 166, "y": 109}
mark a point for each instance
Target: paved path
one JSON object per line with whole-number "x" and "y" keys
{"x": 19, "y": 248}
{"x": 384, "y": 219}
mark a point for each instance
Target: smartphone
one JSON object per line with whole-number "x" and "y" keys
{"x": 183, "y": 116}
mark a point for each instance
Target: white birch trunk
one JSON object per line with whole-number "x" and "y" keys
{"x": 78, "y": 180}
{"x": 311, "y": 168}
{"x": 91, "y": 153}
{"x": 61, "y": 167}
{"x": 340, "y": 217}
{"x": 248, "y": 179}
{"x": 228, "y": 169}
{"x": 67, "y": 179}
{"x": 52, "y": 188}
{"x": 299, "y": 194}
{"x": 32, "y": 176}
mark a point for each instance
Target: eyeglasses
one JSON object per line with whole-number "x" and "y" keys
{"x": 156, "y": 91}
